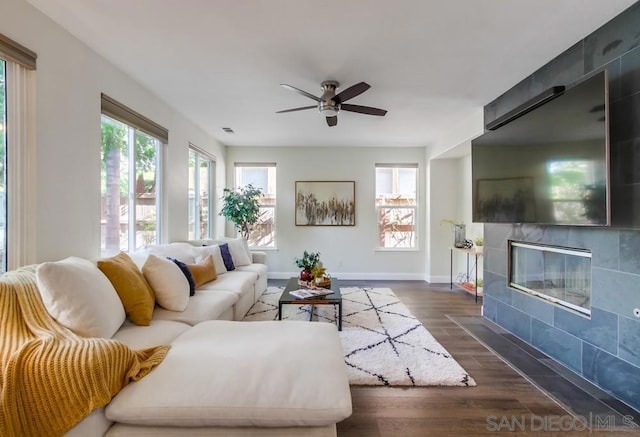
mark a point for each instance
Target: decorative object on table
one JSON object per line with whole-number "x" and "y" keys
{"x": 241, "y": 206}
{"x": 467, "y": 244}
{"x": 325, "y": 203}
{"x": 478, "y": 241}
{"x": 383, "y": 343}
{"x": 307, "y": 263}
{"x": 459, "y": 231}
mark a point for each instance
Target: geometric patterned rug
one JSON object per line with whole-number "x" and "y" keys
{"x": 384, "y": 344}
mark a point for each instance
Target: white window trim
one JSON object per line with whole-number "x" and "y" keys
{"x": 274, "y": 207}
{"x": 416, "y": 247}
{"x": 203, "y": 155}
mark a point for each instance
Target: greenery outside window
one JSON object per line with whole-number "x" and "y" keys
{"x": 262, "y": 176}
{"x": 201, "y": 183}
{"x": 130, "y": 188}
{"x": 396, "y": 205}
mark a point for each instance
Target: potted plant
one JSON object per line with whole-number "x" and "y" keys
{"x": 307, "y": 263}
{"x": 242, "y": 207}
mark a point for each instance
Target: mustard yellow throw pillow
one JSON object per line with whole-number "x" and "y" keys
{"x": 204, "y": 271}
{"x": 135, "y": 293}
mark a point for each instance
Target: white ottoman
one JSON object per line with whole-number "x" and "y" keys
{"x": 242, "y": 374}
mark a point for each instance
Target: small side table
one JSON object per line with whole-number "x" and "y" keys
{"x": 475, "y": 253}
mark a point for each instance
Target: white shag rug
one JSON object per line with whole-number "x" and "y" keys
{"x": 384, "y": 344}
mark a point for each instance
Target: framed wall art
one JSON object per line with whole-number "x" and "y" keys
{"x": 325, "y": 203}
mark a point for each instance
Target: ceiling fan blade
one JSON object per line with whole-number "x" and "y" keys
{"x": 351, "y": 92}
{"x": 297, "y": 109}
{"x": 362, "y": 109}
{"x": 298, "y": 90}
{"x": 332, "y": 121}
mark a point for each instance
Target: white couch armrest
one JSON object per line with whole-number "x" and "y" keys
{"x": 259, "y": 257}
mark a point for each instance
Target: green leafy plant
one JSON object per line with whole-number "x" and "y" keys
{"x": 479, "y": 282}
{"x": 308, "y": 261}
{"x": 242, "y": 207}
{"x": 479, "y": 241}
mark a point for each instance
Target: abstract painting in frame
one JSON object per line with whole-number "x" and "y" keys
{"x": 325, "y": 203}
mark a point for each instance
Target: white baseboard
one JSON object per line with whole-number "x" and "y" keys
{"x": 438, "y": 279}
{"x": 360, "y": 276}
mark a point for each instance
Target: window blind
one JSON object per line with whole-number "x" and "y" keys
{"x": 13, "y": 51}
{"x": 120, "y": 112}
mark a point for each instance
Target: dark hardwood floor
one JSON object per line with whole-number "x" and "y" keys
{"x": 502, "y": 401}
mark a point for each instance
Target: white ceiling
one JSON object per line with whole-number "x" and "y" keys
{"x": 430, "y": 63}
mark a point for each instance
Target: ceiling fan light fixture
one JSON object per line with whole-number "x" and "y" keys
{"x": 328, "y": 108}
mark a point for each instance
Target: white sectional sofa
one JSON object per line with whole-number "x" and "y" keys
{"x": 221, "y": 376}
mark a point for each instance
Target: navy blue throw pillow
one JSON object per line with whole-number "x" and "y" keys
{"x": 226, "y": 257}
{"x": 187, "y": 274}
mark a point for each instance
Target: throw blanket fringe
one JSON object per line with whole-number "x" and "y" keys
{"x": 51, "y": 378}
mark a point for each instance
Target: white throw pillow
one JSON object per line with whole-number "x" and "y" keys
{"x": 168, "y": 282}
{"x": 239, "y": 250}
{"x": 180, "y": 251}
{"x": 80, "y": 297}
{"x": 200, "y": 253}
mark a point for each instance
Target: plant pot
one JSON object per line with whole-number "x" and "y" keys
{"x": 306, "y": 275}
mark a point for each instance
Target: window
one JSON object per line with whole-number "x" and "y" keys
{"x": 201, "y": 181}
{"x": 396, "y": 205}
{"x": 130, "y": 179}
{"x": 263, "y": 176}
{"x": 17, "y": 148}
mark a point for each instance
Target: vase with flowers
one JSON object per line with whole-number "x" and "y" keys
{"x": 307, "y": 263}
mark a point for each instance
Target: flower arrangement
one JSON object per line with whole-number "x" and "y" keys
{"x": 308, "y": 261}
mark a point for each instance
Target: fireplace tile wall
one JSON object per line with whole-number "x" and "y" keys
{"x": 604, "y": 348}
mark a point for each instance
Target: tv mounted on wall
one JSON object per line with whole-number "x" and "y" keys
{"x": 548, "y": 163}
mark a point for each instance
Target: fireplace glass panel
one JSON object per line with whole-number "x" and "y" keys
{"x": 558, "y": 274}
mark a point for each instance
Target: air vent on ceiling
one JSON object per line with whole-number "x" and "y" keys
{"x": 228, "y": 130}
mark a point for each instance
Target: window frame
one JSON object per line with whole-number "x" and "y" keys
{"x": 239, "y": 183}
{"x": 201, "y": 156}
{"x": 415, "y": 207}
{"x": 134, "y": 123}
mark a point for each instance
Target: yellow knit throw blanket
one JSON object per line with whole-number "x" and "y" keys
{"x": 51, "y": 378}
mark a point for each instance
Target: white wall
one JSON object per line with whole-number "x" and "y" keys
{"x": 348, "y": 252}
{"x": 69, "y": 80}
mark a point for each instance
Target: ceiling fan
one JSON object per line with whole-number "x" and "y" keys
{"x": 330, "y": 103}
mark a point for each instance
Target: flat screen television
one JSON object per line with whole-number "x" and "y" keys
{"x": 548, "y": 166}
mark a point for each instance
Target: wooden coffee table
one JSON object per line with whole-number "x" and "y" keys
{"x": 335, "y": 298}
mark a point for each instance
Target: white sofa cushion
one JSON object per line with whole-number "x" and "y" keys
{"x": 221, "y": 373}
{"x": 168, "y": 282}
{"x": 204, "y": 305}
{"x": 79, "y": 296}
{"x": 238, "y": 282}
{"x": 159, "y": 332}
{"x": 200, "y": 253}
